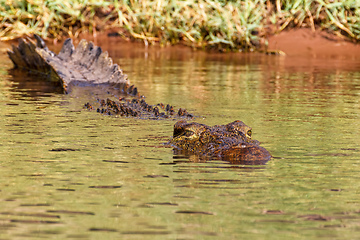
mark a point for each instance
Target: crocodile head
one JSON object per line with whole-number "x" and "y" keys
{"x": 230, "y": 142}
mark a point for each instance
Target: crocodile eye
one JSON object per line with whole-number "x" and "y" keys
{"x": 183, "y": 133}
{"x": 248, "y": 133}
{"x": 188, "y": 133}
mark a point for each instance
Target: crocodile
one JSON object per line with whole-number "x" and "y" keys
{"x": 87, "y": 65}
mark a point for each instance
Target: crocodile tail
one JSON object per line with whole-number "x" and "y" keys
{"x": 86, "y": 63}
{"x": 24, "y": 56}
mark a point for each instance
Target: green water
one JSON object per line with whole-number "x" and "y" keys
{"x": 67, "y": 173}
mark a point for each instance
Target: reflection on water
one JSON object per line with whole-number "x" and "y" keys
{"x": 70, "y": 173}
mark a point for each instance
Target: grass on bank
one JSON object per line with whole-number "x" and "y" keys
{"x": 220, "y": 24}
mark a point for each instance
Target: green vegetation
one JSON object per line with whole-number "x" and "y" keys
{"x": 221, "y": 24}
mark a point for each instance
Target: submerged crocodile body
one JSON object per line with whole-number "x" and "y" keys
{"x": 88, "y": 65}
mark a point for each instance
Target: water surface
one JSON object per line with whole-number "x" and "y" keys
{"x": 70, "y": 173}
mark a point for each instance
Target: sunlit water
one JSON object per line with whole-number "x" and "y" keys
{"x": 69, "y": 173}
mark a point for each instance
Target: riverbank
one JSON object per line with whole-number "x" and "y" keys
{"x": 206, "y": 24}
{"x": 307, "y": 43}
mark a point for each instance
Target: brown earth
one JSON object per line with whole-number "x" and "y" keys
{"x": 307, "y": 43}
